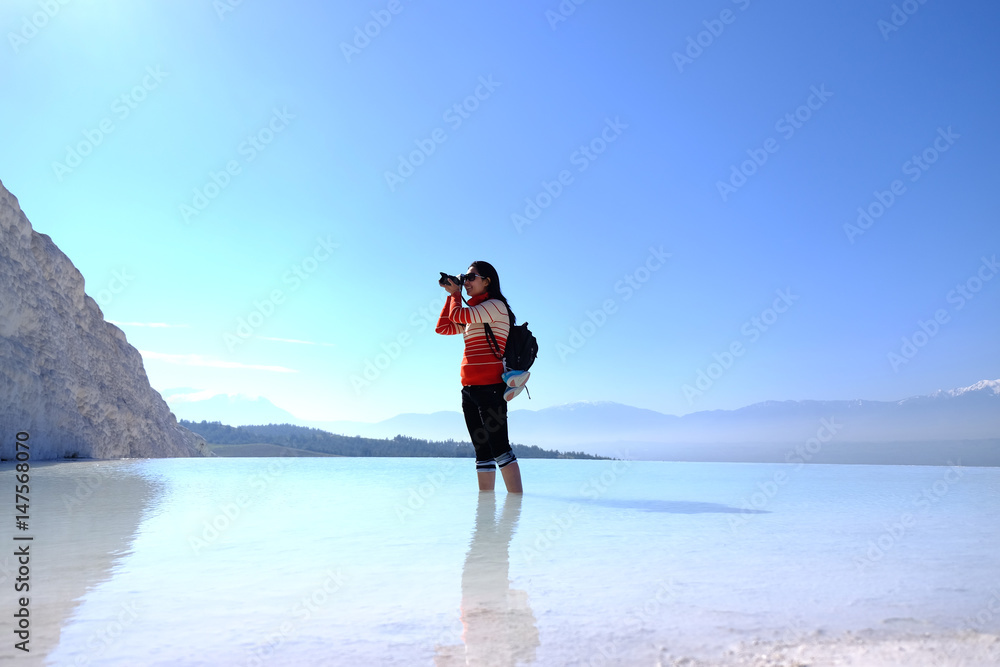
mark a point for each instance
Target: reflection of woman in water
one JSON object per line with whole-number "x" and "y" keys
{"x": 499, "y": 627}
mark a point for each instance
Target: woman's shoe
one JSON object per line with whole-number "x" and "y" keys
{"x": 515, "y": 378}
{"x": 511, "y": 392}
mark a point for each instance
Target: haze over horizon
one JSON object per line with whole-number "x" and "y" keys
{"x": 695, "y": 207}
{"x": 247, "y": 410}
{"x": 959, "y": 425}
{"x": 238, "y": 409}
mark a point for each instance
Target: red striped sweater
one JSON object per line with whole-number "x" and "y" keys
{"x": 479, "y": 364}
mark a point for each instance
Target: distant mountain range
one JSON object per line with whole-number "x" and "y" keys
{"x": 934, "y": 423}
{"x": 232, "y": 410}
{"x": 291, "y": 440}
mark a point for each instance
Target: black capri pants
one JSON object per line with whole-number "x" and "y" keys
{"x": 486, "y": 418}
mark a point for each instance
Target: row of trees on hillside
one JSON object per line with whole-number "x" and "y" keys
{"x": 317, "y": 440}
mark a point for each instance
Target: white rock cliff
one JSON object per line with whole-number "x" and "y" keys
{"x": 68, "y": 378}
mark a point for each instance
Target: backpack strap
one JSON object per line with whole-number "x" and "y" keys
{"x": 492, "y": 340}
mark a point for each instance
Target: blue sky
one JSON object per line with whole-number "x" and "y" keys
{"x": 697, "y": 169}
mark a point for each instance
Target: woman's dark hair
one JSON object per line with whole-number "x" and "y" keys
{"x": 486, "y": 270}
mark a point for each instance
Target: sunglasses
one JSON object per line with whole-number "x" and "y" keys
{"x": 469, "y": 277}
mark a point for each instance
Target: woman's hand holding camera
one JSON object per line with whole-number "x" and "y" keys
{"x": 450, "y": 283}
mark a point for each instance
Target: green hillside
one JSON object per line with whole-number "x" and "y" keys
{"x": 261, "y": 449}
{"x": 316, "y": 442}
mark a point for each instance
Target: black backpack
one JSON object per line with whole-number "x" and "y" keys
{"x": 521, "y": 348}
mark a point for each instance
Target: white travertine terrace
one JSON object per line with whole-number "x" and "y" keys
{"x": 67, "y": 377}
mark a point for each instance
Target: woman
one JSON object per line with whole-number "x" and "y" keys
{"x": 483, "y": 383}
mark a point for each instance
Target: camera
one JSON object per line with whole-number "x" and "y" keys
{"x": 446, "y": 278}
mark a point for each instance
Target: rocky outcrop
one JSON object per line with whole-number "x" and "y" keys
{"x": 68, "y": 378}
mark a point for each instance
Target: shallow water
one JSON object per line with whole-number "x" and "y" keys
{"x": 348, "y": 561}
